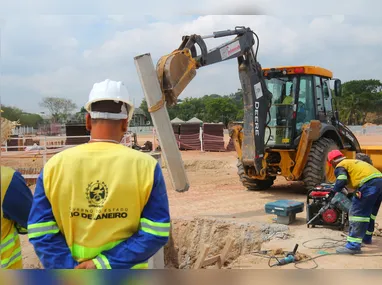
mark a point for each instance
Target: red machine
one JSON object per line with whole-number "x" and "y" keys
{"x": 324, "y": 207}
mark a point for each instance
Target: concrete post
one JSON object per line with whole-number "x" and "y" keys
{"x": 153, "y": 94}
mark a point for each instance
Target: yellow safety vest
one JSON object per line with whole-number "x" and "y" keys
{"x": 10, "y": 242}
{"x": 359, "y": 172}
{"x": 99, "y": 205}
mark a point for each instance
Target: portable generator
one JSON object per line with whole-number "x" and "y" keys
{"x": 324, "y": 207}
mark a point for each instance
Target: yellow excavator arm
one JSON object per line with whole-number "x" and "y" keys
{"x": 177, "y": 69}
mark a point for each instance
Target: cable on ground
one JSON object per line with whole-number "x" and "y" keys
{"x": 330, "y": 243}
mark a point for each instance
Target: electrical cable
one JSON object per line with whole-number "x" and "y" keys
{"x": 330, "y": 244}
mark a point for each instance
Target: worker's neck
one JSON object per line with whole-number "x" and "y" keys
{"x": 106, "y": 135}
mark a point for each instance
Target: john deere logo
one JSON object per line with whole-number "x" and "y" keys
{"x": 96, "y": 193}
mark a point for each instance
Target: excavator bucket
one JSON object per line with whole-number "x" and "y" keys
{"x": 175, "y": 71}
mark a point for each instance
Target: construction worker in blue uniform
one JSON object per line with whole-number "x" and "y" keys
{"x": 16, "y": 202}
{"x": 366, "y": 181}
{"x": 100, "y": 205}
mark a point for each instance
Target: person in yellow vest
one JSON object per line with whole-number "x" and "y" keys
{"x": 366, "y": 181}
{"x": 289, "y": 100}
{"x": 16, "y": 202}
{"x": 100, "y": 205}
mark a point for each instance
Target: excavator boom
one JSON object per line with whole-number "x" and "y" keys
{"x": 176, "y": 70}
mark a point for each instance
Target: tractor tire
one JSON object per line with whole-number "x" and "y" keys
{"x": 253, "y": 184}
{"x": 364, "y": 157}
{"x": 315, "y": 171}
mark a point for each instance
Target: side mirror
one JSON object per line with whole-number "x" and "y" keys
{"x": 337, "y": 88}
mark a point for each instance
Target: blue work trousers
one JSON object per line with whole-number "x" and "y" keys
{"x": 363, "y": 212}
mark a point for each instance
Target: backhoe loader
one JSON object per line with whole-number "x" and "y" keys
{"x": 290, "y": 119}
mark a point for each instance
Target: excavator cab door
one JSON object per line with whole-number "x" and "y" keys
{"x": 282, "y": 119}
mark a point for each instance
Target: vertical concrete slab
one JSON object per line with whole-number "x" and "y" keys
{"x": 153, "y": 94}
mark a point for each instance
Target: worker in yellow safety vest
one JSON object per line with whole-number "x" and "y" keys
{"x": 366, "y": 181}
{"x": 16, "y": 202}
{"x": 100, "y": 205}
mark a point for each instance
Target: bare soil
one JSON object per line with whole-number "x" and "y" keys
{"x": 217, "y": 206}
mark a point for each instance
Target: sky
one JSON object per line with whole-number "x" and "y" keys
{"x": 61, "y": 48}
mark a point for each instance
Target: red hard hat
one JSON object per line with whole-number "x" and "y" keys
{"x": 334, "y": 154}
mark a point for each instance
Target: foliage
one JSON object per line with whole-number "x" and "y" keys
{"x": 25, "y": 119}
{"x": 79, "y": 117}
{"x": 11, "y": 113}
{"x": 359, "y": 98}
{"x": 209, "y": 108}
{"x": 31, "y": 120}
{"x": 59, "y": 108}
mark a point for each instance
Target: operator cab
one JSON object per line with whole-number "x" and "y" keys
{"x": 300, "y": 94}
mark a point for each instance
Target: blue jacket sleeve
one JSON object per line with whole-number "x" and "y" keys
{"x": 153, "y": 234}
{"x": 18, "y": 202}
{"x": 49, "y": 244}
{"x": 341, "y": 178}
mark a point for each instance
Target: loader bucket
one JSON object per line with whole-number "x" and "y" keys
{"x": 175, "y": 71}
{"x": 375, "y": 154}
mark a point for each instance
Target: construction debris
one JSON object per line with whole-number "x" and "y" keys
{"x": 218, "y": 259}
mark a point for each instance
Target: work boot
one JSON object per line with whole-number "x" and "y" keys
{"x": 366, "y": 241}
{"x": 345, "y": 250}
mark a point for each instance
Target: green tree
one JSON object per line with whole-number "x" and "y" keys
{"x": 221, "y": 109}
{"x": 11, "y": 113}
{"x": 59, "y": 108}
{"x": 30, "y": 120}
{"x": 79, "y": 117}
{"x": 360, "y": 97}
{"x": 25, "y": 119}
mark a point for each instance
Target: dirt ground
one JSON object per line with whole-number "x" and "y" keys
{"x": 217, "y": 195}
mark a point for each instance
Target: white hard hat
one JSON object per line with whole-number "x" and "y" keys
{"x": 110, "y": 90}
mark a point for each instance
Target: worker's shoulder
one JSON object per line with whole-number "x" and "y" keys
{"x": 69, "y": 152}
{"x": 7, "y": 171}
{"x": 7, "y": 168}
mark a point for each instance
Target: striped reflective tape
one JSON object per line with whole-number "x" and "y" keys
{"x": 155, "y": 228}
{"x": 101, "y": 262}
{"x": 85, "y": 253}
{"x": 16, "y": 256}
{"x": 372, "y": 176}
{"x": 369, "y": 233}
{"x": 342, "y": 177}
{"x": 41, "y": 229}
{"x": 373, "y": 217}
{"x": 352, "y": 239}
{"x": 144, "y": 265}
{"x": 359, "y": 219}
{"x": 9, "y": 241}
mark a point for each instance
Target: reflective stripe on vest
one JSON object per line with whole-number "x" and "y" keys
{"x": 144, "y": 265}
{"x": 9, "y": 241}
{"x": 368, "y": 178}
{"x": 359, "y": 172}
{"x": 16, "y": 256}
{"x": 84, "y": 253}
